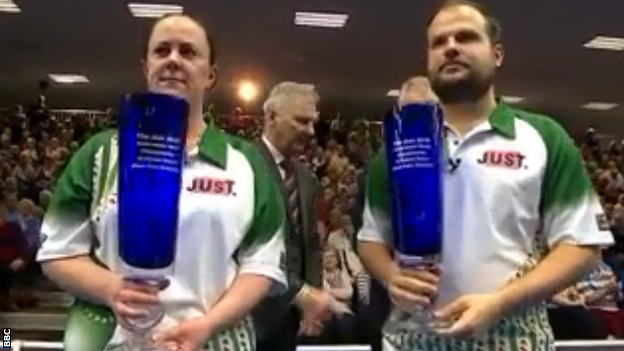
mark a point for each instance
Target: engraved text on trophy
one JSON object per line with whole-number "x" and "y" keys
{"x": 157, "y": 152}
{"x": 413, "y": 153}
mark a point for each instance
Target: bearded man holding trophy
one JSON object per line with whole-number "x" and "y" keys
{"x": 168, "y": 231}
{"x": 461, "y": 194}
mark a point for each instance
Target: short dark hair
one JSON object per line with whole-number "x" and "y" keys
{"x": 212, "y": 47}
{"x": 492, "y": 26}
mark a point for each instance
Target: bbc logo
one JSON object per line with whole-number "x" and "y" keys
{"x": 6, "y": 338}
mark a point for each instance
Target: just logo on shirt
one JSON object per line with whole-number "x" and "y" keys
{"x": 504, "y": 159}
{"x": 212, "y": 186}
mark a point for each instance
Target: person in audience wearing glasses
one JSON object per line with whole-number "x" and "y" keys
{"x": 228, "y": 252}
{"x": 491, "y": 289}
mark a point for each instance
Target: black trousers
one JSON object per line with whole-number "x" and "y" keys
{"x": 376, "y": 313}
{"x": 283, "y": 338}
{"x": 576, "y": 323}
{"x": 8, "y": 279}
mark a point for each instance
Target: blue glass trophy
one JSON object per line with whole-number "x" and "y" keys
{"x": 414, "y": 143}
{"x": 152, "y": 134}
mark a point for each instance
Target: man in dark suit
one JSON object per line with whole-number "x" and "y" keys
{"x": 290, "y": 114}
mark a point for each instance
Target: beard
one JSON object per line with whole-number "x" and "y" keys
{"x": 469, "y": 88}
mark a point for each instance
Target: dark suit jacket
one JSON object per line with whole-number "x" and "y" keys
{"x": 273, "y": 310}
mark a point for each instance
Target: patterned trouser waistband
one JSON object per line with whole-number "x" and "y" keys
{"x": 527, "y": 331}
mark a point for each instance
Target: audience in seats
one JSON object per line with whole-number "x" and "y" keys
{"x": 33, "y": 150}
{"x": 591, "y": 309}
{"x": 601, "y": 293}
{"x": 340, "y": 329}
{"x": 13, "y": 262}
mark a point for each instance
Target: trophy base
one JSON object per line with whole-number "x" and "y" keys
{"x": 421, "y": 322}
{"x": 154, "y": 313}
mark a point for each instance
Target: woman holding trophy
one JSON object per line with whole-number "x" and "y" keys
{"x": 168, "y": 231}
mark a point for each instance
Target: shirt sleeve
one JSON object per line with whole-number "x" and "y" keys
{"x": 262, "y": 251}
{"x": 66, "y": 230}
{"x": 376, "y": 222}
{"x": 571, "y": 210}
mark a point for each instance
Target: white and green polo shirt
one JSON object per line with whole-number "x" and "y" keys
{"x": 230, "y": 223}
{"x": 520, "y": 180}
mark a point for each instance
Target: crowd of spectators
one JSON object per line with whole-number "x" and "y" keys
{"x": 34, "y": 150}
{"x": 592, "y": 308}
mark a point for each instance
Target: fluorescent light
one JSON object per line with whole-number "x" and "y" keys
{"x": 68, "y": 78}
{"x": 144, "y": 10}
{"x": 8, "y": 6}
{"x": 393, "y": 93}
{"x": 605, "y": 43}
{"x": 512, "y": 99}
{"x": 599, "y": 106}
{"x": 323, "y": 20}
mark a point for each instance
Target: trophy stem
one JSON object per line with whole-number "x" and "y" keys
{"x": 154, "y": 313}
{"x": 424, "y": 319}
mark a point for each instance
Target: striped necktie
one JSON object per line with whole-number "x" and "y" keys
{"x": 290, "y": 183}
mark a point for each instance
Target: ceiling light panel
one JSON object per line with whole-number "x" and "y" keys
{"x": 68, "y": 78}
{"x": 146, "y": 10}
{"x": 512, "y": 99}
{"x": 322, "y": 20}
{"x": 605, "y": 43}
{"x": 599, "y": 106}
{"x": 8, "y": 6}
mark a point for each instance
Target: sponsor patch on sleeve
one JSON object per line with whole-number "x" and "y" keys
{"x": 42, "y": 239}
{"x": 602, "y": 221}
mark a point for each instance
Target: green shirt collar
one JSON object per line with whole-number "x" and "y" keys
{"x": 213, "y": 143}
{"x": 502, "y": 120}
